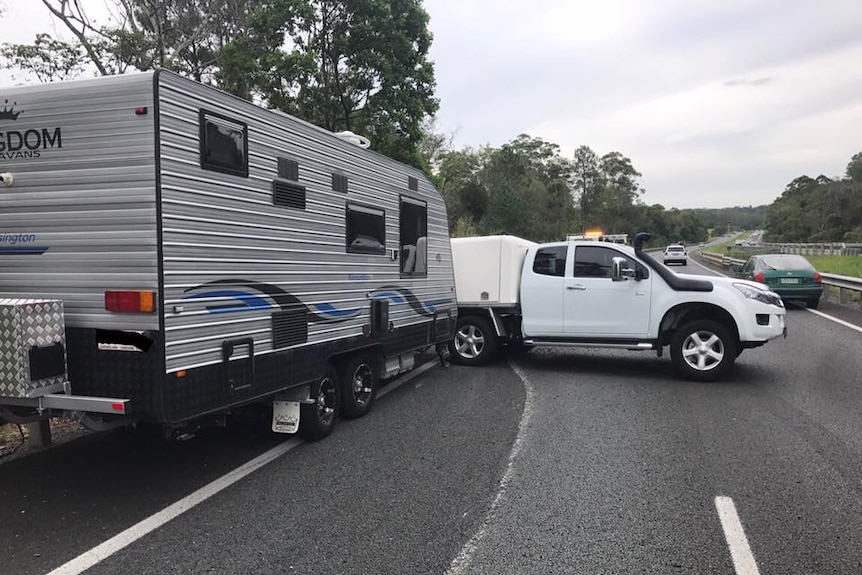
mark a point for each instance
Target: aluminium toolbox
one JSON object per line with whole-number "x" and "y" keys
{"x": 32, "y": 347}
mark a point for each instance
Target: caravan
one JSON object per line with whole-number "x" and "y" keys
{"x": 170, "y": 252}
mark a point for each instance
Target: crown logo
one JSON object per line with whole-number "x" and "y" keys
{"x": 9, "y": 113}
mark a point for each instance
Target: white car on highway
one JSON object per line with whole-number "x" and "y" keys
{"x": 675, "y": 254}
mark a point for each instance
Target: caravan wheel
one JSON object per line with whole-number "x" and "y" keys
{"x": 317, "y": 420}
{"x": 359, "y": 386}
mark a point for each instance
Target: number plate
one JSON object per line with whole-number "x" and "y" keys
{"x": 285, "y": 416}
{"x": 790, "y": 280}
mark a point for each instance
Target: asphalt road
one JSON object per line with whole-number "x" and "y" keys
{"x": 608, "y": 463}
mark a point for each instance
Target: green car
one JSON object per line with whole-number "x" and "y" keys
{"x": 790, "y": 276}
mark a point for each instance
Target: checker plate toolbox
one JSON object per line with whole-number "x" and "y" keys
{"x": 32, "y": 347}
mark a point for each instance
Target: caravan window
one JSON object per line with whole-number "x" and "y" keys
{"x": 414, "y": 237}
{"x": 224, "y": 144}
{"x": 366, "y": 230}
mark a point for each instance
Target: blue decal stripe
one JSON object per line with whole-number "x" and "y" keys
{"x": 395, "y": 297}
{"x": 23, "y": 250}
{"x": 249, "y": 301}
{"x": 330, "y": 309}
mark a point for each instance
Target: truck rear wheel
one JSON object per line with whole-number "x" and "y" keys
{"x": 317, "y": 420}
{"x": 703, "y": 350}
{"x": 474, "y": 343}
{"x": 359, "y": 386}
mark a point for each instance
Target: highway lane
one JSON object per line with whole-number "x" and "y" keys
{"x": 620, "y": 470}
{"x": 617, "y": 469}
{"x": 395, "y": 492}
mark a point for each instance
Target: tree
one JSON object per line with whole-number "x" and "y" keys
{"x": 622, "y": 189}
{"x": 587, "y": 186}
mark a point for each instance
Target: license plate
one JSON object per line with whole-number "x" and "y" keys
{"x": 285, "y": 416}
{"x": 790, "y": 280}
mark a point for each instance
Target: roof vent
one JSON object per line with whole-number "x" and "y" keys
{"x": 356, "y": 139}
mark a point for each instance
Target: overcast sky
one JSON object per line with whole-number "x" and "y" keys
{"x": 717, "y": 103}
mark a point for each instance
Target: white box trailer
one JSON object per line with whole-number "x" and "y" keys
{"x": 493, "y": 275}
{"x": 209, "y": 253}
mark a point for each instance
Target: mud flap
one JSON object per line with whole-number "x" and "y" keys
{"x": 285, "y": 416}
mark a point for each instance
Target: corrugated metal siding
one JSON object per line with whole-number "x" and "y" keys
{"x": 218, "y": 227}
{"x": 91, "y": 202}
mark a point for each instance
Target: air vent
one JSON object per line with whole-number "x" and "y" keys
{"x": 289, "y": 328}
{"x": 288, "y": 169}
{"x": 339, "y": 183}
{"x": 413, "y": 183}
{"x": 288, "y": 194}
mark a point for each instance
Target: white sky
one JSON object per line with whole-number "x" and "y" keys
{"x": 717, "y": 103}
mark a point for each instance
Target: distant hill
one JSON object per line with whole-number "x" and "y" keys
{"x": 721, "y": 220}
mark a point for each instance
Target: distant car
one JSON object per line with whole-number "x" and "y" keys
{"x": 675, "y": 254}
{"x": 790, "y": 276}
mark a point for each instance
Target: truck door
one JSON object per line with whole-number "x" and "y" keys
{"x": 542, "y": 283}
{"x": 595, "y": 305}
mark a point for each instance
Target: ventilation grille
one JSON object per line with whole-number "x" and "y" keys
{"x": 288, "y": 169}
{"x": 413, "y": 183}
{"x": 339, "y": 183}
{"x": 288, "y": 194}
{"x": 289, "y": 328}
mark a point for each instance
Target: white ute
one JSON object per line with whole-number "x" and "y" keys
{"x": 514, "y": 292}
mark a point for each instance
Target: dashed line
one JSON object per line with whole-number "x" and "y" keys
{"x": 740, "y": 551}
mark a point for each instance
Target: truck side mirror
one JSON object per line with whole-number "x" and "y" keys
{"x": 620, "y": 271}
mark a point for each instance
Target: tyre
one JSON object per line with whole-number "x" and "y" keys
{"x": 703, "y": 350}
{"x": 474, "y": 343}
{"x": 317, "y": 420}
{"x": 813, "y": 303}
{"x": 358, "y": 386}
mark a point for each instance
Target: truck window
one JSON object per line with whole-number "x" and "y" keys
{"x": 595, "y": 262}
{"x": 413, "y": 224}
{"x": 366, "y": 230}
{"x": 550, "y": 261}
{"x": 223, "y": 144}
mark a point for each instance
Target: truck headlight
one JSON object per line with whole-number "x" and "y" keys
{"x": 761, "y": 295}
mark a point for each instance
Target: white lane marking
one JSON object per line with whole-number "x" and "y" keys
{"x": 740, "y": 551}
{"x": 836, "y": 320}
{"x": 125, "y": 538}
{"x": 461, "y": 563}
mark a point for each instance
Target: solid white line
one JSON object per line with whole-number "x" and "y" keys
{"x": 460, "y": 564}
{"x": 836, "y": 320}
{"x": 740, "y": 552}
{"x": 125, "y": 538}
{"x": 86, "y": 560}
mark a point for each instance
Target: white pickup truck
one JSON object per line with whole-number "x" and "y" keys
{"x": 513, "y": 292}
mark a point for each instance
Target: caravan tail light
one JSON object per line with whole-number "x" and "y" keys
{"x": 130, "y": 301}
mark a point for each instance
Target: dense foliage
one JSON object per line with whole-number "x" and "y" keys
{"x": 361, "y": 65}
{"x": 819, "y": 209}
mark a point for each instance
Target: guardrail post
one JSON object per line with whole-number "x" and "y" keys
{"x": 842, "y": 295}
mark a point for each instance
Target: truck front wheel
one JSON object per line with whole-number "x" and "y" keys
{"x": 703, "y": 350}
{"x": 475, "y": 342}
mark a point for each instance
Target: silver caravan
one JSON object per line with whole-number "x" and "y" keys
{"x": 170, "y": 252}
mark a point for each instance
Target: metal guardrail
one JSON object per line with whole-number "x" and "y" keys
{"x": 815, "y": 249}
{"x": 844, "y": 284}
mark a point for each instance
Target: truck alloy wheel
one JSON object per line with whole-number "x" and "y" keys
{"x": 317, "y": 420}
{"x": 703, "y": 350}
{"x": 475, "y": 343}
{"x": 359, "y": 386}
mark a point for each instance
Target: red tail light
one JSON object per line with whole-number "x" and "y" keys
{"x": 817, "y": 278}
{"x": 759, "y": 277}
{"x": 130, "y": 301}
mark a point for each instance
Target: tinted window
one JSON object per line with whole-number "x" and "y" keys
{"x": 224, "y": 144}
{"x": 596, "y": 262}
{"x": 785, "y": 263}
{"x": 413, "y": 226}
{"x": 550, "y": 261}
{"x": 366, "y": 230}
